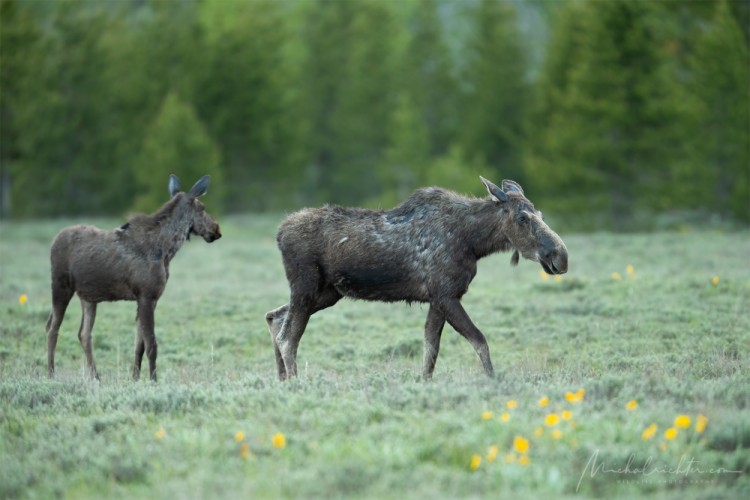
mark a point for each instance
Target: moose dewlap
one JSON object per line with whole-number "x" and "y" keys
{"x": 424, "y": 250}
{"x": 128, "y": 263}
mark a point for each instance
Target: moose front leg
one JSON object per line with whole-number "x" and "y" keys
{"x": 460, "y": 321}
{"x": 433, "y": 329}
{"x": 140, "y": 348}
{"x": 146, "y": 335}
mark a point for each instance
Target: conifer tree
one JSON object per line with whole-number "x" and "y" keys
{"x": 495, "y": 104}
{"x": 612, "y": 134}
{"x": 176, "y": 143}
{"x": 720, "y": 86}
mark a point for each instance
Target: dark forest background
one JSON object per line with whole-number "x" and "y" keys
{"x": 611, "y": 114}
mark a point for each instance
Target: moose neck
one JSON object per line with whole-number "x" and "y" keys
{"x": 483, "y": 228}
{"x": 168, "y": 228}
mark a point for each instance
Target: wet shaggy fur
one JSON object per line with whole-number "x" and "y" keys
{"x": 127, "y": 263}
{"x": 424, "y": 250}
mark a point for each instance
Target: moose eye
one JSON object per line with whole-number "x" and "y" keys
{"x": 522, "y": 218}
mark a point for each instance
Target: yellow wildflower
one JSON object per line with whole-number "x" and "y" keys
{"x": 278, "y": 440}
{"x": 510, "y": 458}
{"x": 551, "y": 420}
{"x": 574, "y": 397}
{"x": 23, "y": 299}
{"x": 505, "y": 416}
{"x": 521, "y": 444}
{"x": 544, "y": 275}
{"x": 616, "y": 276}
{"x": 682, "y": 421}
{"x": 700, "y": 424}
{"x": 543, "y": 401}
{"x": 245, "y": 450}
{"x": 632, "y": 405}
{"x": 538, "y": 431}
{"x": 476, "y": 461}
{"x": 566, "y": 414}
{"x": 557, "y": 434}
{"x": 524, "y": 460}
{"x": 715, "y": 280}
{"x": 239, "y": 436}
{"x": 161, "y": 433}
{"x": 557, "y": 278}
{"x": 670, "y": 433}
{"x": 492, "y": 453}
{"x": 648, "y": 432}
{"x": 487, "y": 415}
{"x": 630, "y": 270}
{"x": 512, "y": 404}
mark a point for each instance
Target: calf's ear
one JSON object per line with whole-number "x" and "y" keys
{"x": 200, "y": 187}
{"x": 174, "y": 185}
{"x": 496, "y": 193}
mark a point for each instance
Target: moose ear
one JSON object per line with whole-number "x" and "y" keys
{"x": 496, "y": 193}
{"x": 509, "y": 186}
{"x": 174, "y": 185}
{"x": 200, "y": 187}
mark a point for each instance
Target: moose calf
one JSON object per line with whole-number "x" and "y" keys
{"x": 128, "y": 263}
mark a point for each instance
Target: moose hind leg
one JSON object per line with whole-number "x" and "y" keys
{"x": 298, "y": 314}
{"x": 291, "y": 332}
{"x": 61, "y": 295}
{"x": 460, "y": 321}
{"x": 84, "y": 335}
{"x": 275, "y": 320}
{"x": 433, "y": 329}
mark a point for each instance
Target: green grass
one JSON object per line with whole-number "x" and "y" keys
{"x": 359, "y": 422}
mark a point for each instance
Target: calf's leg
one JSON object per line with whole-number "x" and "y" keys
{"x": 61, "y": 295}
{"x": 460, "y": 321}
{"x": 84, "y": 335}
{"x": 146, "y": 333}
{"x": 433, "y": 329}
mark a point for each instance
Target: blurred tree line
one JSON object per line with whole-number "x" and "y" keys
{"x": 602, "y": 110}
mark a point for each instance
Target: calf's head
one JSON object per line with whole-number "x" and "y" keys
{"x": 526, "y": 230}
{"x": 201, "y": 223}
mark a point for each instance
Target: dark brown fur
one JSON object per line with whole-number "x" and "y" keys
{"x": 424, "y": 250}
{"x": 128, "y": 263}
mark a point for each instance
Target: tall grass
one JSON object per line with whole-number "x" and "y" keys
{"x": 359, "y": 422}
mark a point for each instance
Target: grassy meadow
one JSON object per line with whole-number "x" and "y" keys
{"x": 609, "y": 354}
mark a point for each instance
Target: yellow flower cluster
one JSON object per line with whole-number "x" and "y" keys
{"x": 629, "y": 272}
{"x": 278, "y": 441}
{"x": 560, "y": 425}
{"x": 556, "y": 278}
{"x": 520, "y": 447}
{"x": 671, "y": 433}
{"x": 575, "y": 397}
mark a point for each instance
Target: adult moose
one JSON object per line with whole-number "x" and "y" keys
{"x": 424, "y": 250}
{"x": 128, "y": 263}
